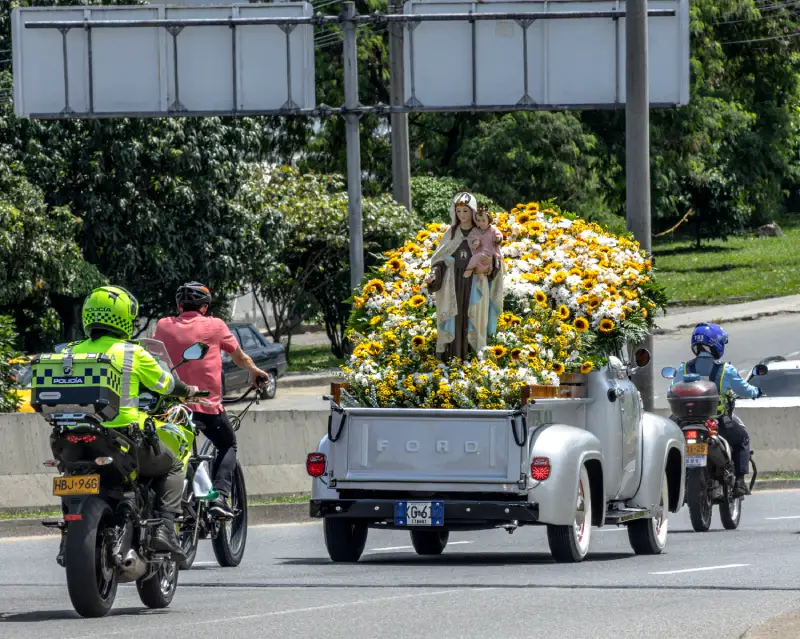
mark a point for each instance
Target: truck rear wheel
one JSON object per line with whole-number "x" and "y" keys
{"x": 344, "y": 539}
{"x": 570, "y": 544}
{"x": 649, "y": 536}
{"x": 429, "y": 542}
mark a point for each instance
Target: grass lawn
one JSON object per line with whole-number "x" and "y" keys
{"x": 312, "y": 358}
{"x": 741, "y": 269}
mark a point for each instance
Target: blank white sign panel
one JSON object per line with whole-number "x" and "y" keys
{"x": 574, "y": 62}
{"x": 130, "y": 71}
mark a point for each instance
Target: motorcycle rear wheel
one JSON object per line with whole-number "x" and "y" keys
{"x": 92, "y": 578}
{"x": 698, "y": 498}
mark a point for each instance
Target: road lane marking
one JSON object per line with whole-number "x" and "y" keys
{"x": 676, "y": 572}
{"x": 791, "y": 517}
{"x": 452, "y": 543}
{"x": 290, "y": 611}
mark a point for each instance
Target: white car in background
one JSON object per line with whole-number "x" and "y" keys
{"x": 781, "y": 385}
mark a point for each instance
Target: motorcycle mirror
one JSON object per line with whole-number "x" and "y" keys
{"x": 760, "y": 369}
{"x": 668, "y": 372}
{"x": 195, "y": 352}
{"x": 642, "y": 357}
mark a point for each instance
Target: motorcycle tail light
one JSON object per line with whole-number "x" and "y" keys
{"x": 540, "y": 468}
{"x": 690, "y": 434}
{"x": 77, "y": 517}
{"x": 315, "y": 464}
{"x": 80, "y": 439}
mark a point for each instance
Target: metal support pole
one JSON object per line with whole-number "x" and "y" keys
{"x": 401, "y": 165}
{"x": 353, "y": 145}
{"x": 637, "y": 153}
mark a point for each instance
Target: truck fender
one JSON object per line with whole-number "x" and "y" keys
{"x": 663, "y": 449}
{"x": 319, "y": 488}
{"x": 568, "y": 448}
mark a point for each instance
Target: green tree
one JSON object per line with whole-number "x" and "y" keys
{"x": 313, "y": 262}
{"x": 431, "y": 197}
{"x": 8, "y": 399}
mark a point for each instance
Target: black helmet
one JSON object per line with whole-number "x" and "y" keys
{"x": 193, "y": 294}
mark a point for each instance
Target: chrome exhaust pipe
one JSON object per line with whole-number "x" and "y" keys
{"x": 133, "y": 566}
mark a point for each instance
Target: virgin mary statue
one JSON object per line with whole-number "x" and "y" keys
{"x": 467, "y": 308}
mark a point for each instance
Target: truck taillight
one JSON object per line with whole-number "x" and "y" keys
{"x": 540, "y": 468}
{"x": 315, "y": 464}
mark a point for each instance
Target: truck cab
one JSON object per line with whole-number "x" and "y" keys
{"x": 593, "y": 458}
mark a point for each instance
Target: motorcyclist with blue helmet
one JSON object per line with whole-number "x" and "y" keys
{"x": 708, "y": 345}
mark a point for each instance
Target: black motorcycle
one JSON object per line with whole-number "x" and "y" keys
{"x": 228, "y": 537}
{"x": 109, "y": 518}
{"x": 710, "y": 471}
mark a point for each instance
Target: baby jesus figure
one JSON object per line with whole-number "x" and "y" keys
{"x": 484, "y": 240}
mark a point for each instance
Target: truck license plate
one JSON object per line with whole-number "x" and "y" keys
{"x": 78, "y": 485}
{"x": 418, "y": 513}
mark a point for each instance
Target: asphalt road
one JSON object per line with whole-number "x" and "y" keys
{"x": 486, "y": 585}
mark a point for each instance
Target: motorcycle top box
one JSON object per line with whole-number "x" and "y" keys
{"x": 693, "y": 398}
{"x": 86, "y": 383}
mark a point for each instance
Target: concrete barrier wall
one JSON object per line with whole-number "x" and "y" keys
{"x": 273, "y": 447}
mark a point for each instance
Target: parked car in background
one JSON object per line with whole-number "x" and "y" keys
{"x": 21, "y": 371}
{"x": 780, "y": 384}
{"x": 268, "y": 356}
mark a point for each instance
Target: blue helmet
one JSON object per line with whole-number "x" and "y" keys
{"x": 709, "y": 338}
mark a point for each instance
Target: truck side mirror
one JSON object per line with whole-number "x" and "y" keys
{"x": 641, "y": 357}
{"x": 668, "y": 372}
{"x": 760, "y": 370}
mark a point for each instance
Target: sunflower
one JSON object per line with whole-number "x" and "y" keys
{"x": 558, "y": 368}
{"x": 606, "y": 325}
{"x": 559, "y": 277}
{"x": 423, "y": 235}
{"x": 516, "y": 354}
{"x": 576, "y": 271}
{"x": 375, "y": 286}
{"x": 588, "y": 285}
{"x": 418, "y": 341}
{"x": 644, "y": 312}
{"x": 594, "y": 302}
{"x": 396, "y": 264}
{"x": 562, "y": 312}
{"x": 523, "y": 218}
{"x": 498, "y": 351}
{"x": 581, "y": 324}
{"x": 375, "y": 320}
{"x": 373, "y": 348}
{"x": 417, "y": 301}
{"x": 536, "y": 227}
{"x": 358, "y": 302}
{"x": 587, "y": 367}
{"x": 541, "y": 297}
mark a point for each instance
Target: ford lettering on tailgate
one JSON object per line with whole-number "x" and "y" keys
{"x": 394, "y": 448}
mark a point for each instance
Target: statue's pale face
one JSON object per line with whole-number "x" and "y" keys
{"x": 464, "y": 214}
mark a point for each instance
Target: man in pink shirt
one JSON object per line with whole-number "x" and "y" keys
{"x": 177, "y": 334}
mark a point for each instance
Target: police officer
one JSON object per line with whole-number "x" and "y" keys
{"x": 109, "y": 313}
{"x": 708, "y": 345}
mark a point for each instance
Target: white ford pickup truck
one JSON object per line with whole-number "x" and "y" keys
{"x": 569, "y": 464}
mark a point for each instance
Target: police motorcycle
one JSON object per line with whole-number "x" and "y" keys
{"x": 108, "y": 510}
{"x": 710, "y": 472}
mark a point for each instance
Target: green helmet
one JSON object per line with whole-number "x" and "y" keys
{"x": 110, "y": 307}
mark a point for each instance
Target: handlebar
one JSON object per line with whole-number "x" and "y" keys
{"x": 202, "y": 393}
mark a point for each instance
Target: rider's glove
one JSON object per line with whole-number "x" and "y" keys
{"x": 760, "y": 393}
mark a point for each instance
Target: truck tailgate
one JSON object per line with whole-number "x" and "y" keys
{"x": 419, "y": 445}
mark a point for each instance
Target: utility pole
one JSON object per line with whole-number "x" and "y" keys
{"x": 637, "y": 154}
{"x": 401, "y": 167}
{"x": 353, "y": 146}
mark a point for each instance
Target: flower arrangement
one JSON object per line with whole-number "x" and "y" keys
{"x": 573, "y": 295}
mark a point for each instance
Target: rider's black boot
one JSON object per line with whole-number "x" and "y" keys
{"x": 219, "y": 508}
{"x": 165, "y": 539}
{"x": 740, "y": 489}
